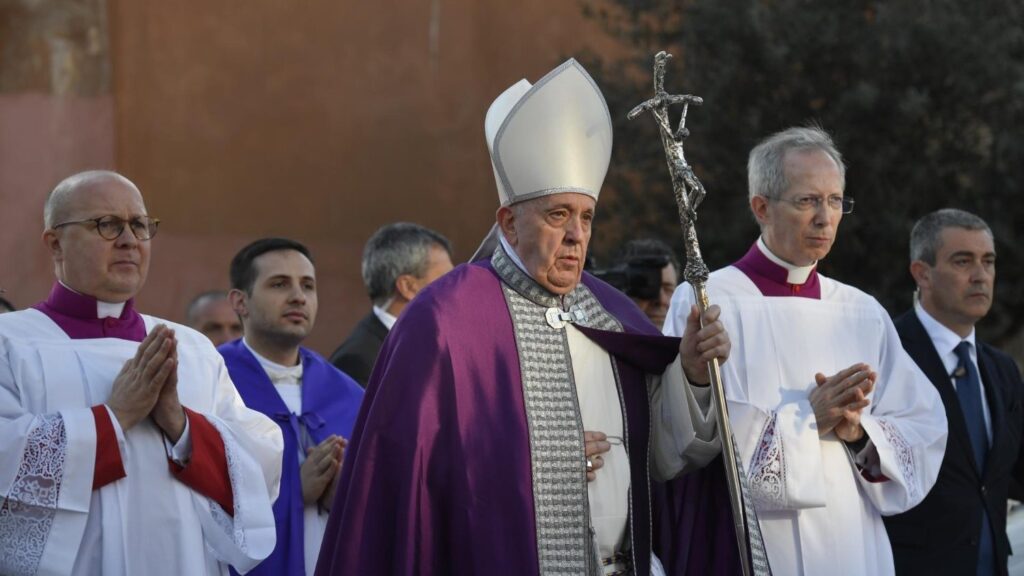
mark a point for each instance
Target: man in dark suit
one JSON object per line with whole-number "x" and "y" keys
{"x": 960, "y": 527}
{"x": 399, "y": 260}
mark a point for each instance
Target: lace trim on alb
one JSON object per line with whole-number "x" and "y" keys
{"x": 224, "y": 520}
{"x": 904, "y": 456}
{"x": 768, "y": 469}
{"x": 27, "y": 512}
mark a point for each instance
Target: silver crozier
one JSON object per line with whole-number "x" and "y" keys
{"x": 689, "y": 193}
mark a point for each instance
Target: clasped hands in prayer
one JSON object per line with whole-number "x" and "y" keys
{"x": 319, "y": 473}
{"x": 704, "y": 340}
{"x": 838, "y": 401}
{"x": 147, "y": 386}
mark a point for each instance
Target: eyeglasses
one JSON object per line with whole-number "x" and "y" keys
{"x": 842, "y": 204}
{"x": 111, "y": 227}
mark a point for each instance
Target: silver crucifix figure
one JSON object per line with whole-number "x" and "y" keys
{"x": 689, "y": 193}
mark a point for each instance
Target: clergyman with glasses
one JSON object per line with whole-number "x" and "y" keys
{"x": 835, "y": 424}
{"x": 124, "y": 447}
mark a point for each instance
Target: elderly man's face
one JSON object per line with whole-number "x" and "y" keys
{"x": 550, "y": 234}
{"x": 109, "y": 270}
{"x": 802, "y": 236}
{"x": 283, "y": 303}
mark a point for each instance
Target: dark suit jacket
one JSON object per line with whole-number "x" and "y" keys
{"x": 358, "y": 352}
{"x": 940, "y": 536}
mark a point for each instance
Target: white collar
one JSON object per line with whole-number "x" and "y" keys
{"x": 797, "y": 274}
{"x": 944, "y": 339}
{"x": 385, "y": 317}
{"x": 276, "y": 372}
{"x": 103, "y": 309}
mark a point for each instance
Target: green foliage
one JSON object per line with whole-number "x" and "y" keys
{"x": 925, "y": 99}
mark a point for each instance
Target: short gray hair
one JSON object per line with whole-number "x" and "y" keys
{"x": 766, "y": 174}
{"x": 394, "y": 250}
{"x": 925, "y": 238}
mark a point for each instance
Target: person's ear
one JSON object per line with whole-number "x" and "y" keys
{"x": 407, "y": 286}
{"x": 506, "y": 218}
{"x": 239, "y": 302}
{"x": 52, "y": 242}
{"x": 922, "y": 274}
{"x": 759, "y": 207}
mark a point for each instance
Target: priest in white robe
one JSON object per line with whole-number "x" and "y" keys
{"x": 124, "y": 447}
{"x": 835, "y": 424}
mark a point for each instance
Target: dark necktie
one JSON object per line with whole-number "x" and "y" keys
{"x": 968, "y": 390}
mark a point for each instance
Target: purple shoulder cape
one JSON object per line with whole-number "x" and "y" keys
{"x": 330, "y": 402}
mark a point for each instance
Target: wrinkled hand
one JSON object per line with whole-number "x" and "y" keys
{"x": 594, "y": 445}
{"x": 327, "y": 500}
{"x": 320, "y": 468}
{"x": 138, "y": 385}
{"x": 700, "y": 344}
{"x": 839, "y": 399}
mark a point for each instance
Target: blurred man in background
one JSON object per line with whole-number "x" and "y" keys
{"x": 647, "y": 271}
{"x": 211, "y": 314}
{"x": 399, "y": 260}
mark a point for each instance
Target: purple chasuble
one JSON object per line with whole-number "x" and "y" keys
{"x": 76, "y": 315}
{"x": 330, "y": 402}
{"x": 438, "y": 474}
{"x": 772, "y": 279}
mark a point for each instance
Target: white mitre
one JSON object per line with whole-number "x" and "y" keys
{"x": 554, "y": 136}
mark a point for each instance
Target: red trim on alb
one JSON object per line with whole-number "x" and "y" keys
{"x": 109, "y": 466}
{"x": 207, "y": 471}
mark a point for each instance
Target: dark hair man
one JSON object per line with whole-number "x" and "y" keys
{"x": 211, "y": 314}
{"x": 510, "y": 420}
{"x": 125, "y": 447}
{"x": 834, "y": 423}
{"x": 399, "y": 260}
{"x": 960, "y": 527}
{"x": 273, "y": 291}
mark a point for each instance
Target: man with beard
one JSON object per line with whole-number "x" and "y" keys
{"x": 273, "y": 291}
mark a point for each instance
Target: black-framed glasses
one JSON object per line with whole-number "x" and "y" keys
{"x": 842, "y": 204}
{"x": 111, "y": 227}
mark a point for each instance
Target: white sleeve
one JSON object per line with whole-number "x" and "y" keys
{"x": 253, "y": 447}
{"x": 906, "y": 424}
{"x": 46, "y": 473}
{"x": 684, "y": 433}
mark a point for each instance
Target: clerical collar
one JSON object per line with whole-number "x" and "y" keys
{"x": 776, "y": 277}
{"x": 944, "y": 339}
{"x": 385, "y": 317}
{"x": 278, "y": 373}
{"x": 82, "y": 316}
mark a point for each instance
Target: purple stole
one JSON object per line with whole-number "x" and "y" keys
{"x": 76, "y": 315}
{"x": 330, "y": 402}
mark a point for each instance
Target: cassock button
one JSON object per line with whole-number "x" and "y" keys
{"x": 984, "y": 490}
{"x": 109, "y": 322}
